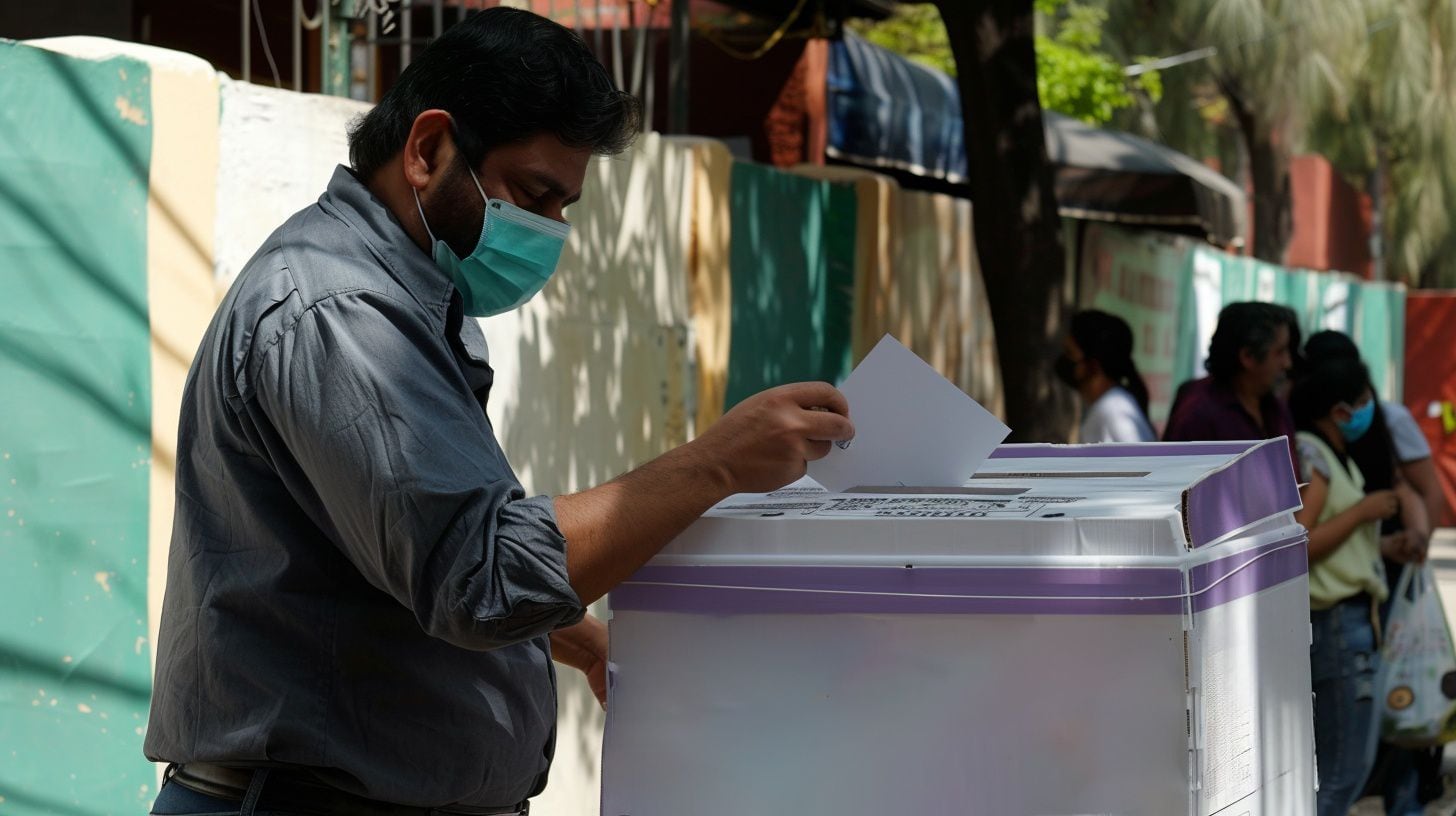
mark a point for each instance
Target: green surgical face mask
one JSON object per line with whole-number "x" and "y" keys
{"x": 515, "y": 256}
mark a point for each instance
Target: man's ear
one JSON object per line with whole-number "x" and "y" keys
{"x": 428, "y": 149}
{"x": 1248, "y": 359}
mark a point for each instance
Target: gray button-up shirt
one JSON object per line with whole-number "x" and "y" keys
{"x": 358, "y": 585}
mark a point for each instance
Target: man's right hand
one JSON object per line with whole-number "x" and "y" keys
{"x": 764, "y": 443}
{"x": 767, "y": 440}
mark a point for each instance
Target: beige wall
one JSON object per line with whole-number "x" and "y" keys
{"x": 918, "y": 277}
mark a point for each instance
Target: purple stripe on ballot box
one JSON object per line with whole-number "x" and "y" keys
{"x": 1255, "y": 487}
{"x": 1043, "y": 451}
{"x": 767, "y": 590}
{"x": 1218, "y": 582}
{"x": 925, "y": 590}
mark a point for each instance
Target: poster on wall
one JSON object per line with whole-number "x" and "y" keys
{"x": 1141, "y": 278}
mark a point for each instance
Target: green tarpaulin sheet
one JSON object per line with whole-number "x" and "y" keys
{"x": 75, "y": 679}
{"x": 792, "y": 266}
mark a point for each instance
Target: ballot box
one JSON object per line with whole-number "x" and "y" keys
{"x": 1076, "y": 630}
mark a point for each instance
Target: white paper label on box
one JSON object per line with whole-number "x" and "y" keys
{"x": 940, "y": 507}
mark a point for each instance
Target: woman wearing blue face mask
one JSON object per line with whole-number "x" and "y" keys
{"x": 1394, "y": 454}
{"x": 1333, "y": 406}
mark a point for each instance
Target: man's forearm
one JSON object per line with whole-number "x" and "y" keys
{"x": 761, "y": 444}
{"x": 1413, "y": 511}
{"x": 613, "y": 529}
{"x": 581, "y": 644}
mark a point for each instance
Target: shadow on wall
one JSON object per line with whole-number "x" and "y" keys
{"x": 593, "y": 377}
{"x": 75, "y": 456}
{"x": 792, "y": 256}
{"x": 596, "y": 375}
{"x": 937, "y": 302}
{"x": 56, "y": 242}
{"x": 917, "y": 277}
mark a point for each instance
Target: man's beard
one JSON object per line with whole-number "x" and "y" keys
{"x": 456, "y": 210}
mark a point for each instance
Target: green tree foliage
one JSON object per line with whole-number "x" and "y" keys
{"x": 1264, "y": 65}
{"x": 913, "y": 31}
{"x": 1393, "y": 131}
{"x": 1369, "y": 84}
{"x": 1075, "y": 75}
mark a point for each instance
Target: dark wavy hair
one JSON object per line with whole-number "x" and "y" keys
{"x": 1375, "y": 451}
{"x": 1107, "y": 339}
{"x": 504, "y": 75}
{"x": 1251, "y": 326}
{"x": 1324, "y": 384}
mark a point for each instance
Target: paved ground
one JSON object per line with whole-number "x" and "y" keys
{"x": 1443, "y": 558}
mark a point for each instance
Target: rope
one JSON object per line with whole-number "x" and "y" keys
{"x": 267, "y": 49}
{"x": 768, "y": 44}
{"x": 309, "y": 23}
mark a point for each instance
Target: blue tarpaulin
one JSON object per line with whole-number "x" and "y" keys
{"x": 888, "y": 112}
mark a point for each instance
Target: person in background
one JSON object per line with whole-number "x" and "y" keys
{"x": 1411, "y": 453}
{"x": 1388, "y": 455}
{"x": 1332, "y": 405}
{"x": 1097, "y": 362}
{"x": 1249, "y": 357}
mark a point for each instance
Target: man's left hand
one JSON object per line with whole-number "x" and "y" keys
{"x": 584, "y": 648}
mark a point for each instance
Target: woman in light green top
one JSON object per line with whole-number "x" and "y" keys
{"x": 1332, "y": 405}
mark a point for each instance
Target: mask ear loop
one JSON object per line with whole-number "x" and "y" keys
{"x": 455, "y": 136}
{"x": 478, "y": 188}
{"x": 485, "y": 213}
{"x": 423, "y": 219}
{"x": 483, "y": 197}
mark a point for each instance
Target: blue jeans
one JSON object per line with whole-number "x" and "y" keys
{"x": 1344, "y": 665}
{"x": 1402, "y": 783}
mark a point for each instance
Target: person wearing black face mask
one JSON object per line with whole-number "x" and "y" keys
{"x": 1097, "y": 361}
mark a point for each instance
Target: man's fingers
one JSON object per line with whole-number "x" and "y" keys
{"x": 819, "y": 395}
{"x": 822, "y": 426}
{"x": 817, "y": 450}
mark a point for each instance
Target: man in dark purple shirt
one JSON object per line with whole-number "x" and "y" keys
{"x": 1251, "y": 354}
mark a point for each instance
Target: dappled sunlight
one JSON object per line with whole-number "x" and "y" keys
{"x": 918, "y": 277}
{"x": 76, "y": 347}
{"x": 792, "y": 257}
{"x": 598, "y": 371}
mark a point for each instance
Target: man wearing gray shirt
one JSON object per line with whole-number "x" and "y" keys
{"x": 362, "y": 603}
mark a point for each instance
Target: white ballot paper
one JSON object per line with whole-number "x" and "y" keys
{"x": 913, "y": 427}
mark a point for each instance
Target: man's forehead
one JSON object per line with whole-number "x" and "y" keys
{"x": 544, "y": 159}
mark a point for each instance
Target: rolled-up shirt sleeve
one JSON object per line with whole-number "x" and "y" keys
{"x": 369, "y": 422}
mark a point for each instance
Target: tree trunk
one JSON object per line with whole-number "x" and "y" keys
{"x": 1375, "y": 188}
{"x": 1018, "y": 231}
{"x": 1268, "y": 151}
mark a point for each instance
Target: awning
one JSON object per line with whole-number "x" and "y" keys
{"x": 886, "y": 111}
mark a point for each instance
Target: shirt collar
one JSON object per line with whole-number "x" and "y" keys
{"x": 1225, "y": 393}
{"x": 351, "y": 201}
{"x": 1222, "y": 391}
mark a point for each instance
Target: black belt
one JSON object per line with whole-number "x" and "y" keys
{"x": 288, "y": 790}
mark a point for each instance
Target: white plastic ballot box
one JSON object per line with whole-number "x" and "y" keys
{"x": 1078, "y": 630}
